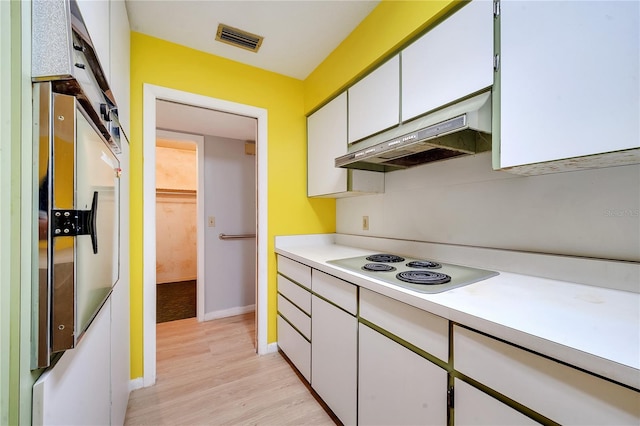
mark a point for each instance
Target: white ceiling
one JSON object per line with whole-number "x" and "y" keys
{"x": 298, "y": 35}
{"x": 202, "y": 121}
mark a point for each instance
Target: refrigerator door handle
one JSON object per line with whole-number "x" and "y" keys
{"x": 71, "y": 223}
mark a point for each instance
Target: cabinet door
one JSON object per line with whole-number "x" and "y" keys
{"x": 453, "y": 60}
{"x": 77, "y": 389}
{"x": 475, "y": 408}
{"x": 120, "y": 352}
{"x": 326, "y": 140}
{"x": 571, "y": 89}
{"x": 334, "y": 358}
{"x": 120, "y": 60}
{"x": 396, "y": 386}
{"x": 374, "y": 101}
{"x": 95, "y": 14}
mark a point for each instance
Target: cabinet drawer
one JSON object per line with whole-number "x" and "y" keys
{"x": 296, "y": 347}
{"x": 561, "y": 393}
{"x": 295, "y": 316}
{"x": 295, "y": 271}
{"x": 420, "y": 328}
{"x": 338, "y": 292}
{"x": 298, "y": 295}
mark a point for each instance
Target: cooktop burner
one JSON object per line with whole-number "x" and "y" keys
{"x": 426, "y": 264}
{"x": 415, "y": 274}
{"x": 380, "y": 267}
{"x": 423, "y": 277}
{"x": 385, "y": 258}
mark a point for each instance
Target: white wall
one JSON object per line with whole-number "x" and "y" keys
{"x": 592, "y": 213}
{"x": 230, "y": 196}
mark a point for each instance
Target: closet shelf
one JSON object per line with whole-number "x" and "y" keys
{"x": 167, "y": 191}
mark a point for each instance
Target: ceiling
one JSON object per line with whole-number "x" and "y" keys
{"x": 298, "y": 36}
{"x": 203, "y": 121}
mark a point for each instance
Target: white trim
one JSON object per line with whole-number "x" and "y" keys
{"x": 239, "y": 310}
{"x": 272, "y": 347}
{"x": 134, "y": 384}
{"x": 151, "y": 93}
{"x": 200, "y": 228}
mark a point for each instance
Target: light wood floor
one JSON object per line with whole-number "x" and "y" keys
{"x": 209, "y": 374}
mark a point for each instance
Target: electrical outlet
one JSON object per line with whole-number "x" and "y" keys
{"x": 365, "y": 223}
{"x": 212, "y": 221}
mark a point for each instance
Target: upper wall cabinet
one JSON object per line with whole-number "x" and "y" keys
{"x": 568, "y": 93}
{"x": 326, "y": 140}
{"x": 374, "y": 101}
{"x": 108, "y": 26}
{"x": 120, "y": 60}
{"x": 95, "y": 14}
{"x": 453, "y": 60}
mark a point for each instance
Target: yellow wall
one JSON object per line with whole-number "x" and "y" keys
{"x": 289, "y": 210}
{"x": 389, "y": 27}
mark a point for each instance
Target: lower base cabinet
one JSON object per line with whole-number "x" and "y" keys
{"x": 296, "y": 347}
{"x": 558, "y": 392}
{"x": 334, "y": 357}
{"x": 476, "y": 408}
{"x": 397, "y": 386}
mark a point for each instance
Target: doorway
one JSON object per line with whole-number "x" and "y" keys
{"x": 176, "y": 225}
{"x": 151, "y": 95}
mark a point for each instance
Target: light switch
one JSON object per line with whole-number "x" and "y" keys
{"x": 212, "y": 221}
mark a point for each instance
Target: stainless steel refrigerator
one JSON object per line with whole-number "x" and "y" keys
{"x": 76, "y": 179}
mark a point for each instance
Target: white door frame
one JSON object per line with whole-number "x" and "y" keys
{"x": 152, "y": 93}
{"x": 200, "y": 229}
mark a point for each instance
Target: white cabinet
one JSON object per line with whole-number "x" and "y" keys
{"x": 334, "y": 348}
{"x": 560, "y": 393}
{"x": 294, "y": 313}
{"x": 76, "y": 390}
{"x": 121, "y": 307}
{"x": 420, "y": 328}
{"x": 120, "y": 351}
{"x": 475, "y": 408}
{"x": 568, "y": 95}
{"x": 95, "y": 14}
{"x": 326, "y": 140}
{"x": 397, "y": 386}
{"x": 453, "y": 60}
{"x": 108, "y": 25}
{"x": 120, "y": 60}
{"x": 374, "y": 101}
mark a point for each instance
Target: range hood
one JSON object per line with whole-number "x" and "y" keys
{"x": 459, "y": 129}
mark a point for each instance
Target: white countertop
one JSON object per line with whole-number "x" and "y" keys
{"x": 593, "y": 328}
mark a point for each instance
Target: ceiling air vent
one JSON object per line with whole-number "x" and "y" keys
{"x": 238, "y": 38}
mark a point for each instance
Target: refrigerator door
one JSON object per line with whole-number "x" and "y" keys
{"x": 78, "y": 220}
{"x": 61, "y": 259}
{"x": 97, "y": 191}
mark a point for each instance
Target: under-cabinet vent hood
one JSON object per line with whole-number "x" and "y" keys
{"x": 459, "y": 129}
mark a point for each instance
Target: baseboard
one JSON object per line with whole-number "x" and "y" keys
{"x": 229, "y": 312}
{"x": 271, "y": 348}
{"x": 137, "y": 383}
